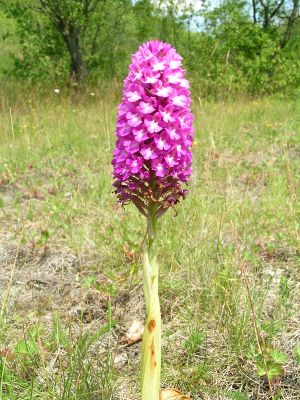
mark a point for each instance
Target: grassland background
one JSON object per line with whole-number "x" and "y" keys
{"x": 70, "y": 281}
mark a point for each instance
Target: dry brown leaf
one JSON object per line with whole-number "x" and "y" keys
{"x": 7, "y": 353}
{"x": 120, "y": 359}
{"x": 172, "y": 394}
{"x": 3, "y": 181}
{"x": 134, "y": 333}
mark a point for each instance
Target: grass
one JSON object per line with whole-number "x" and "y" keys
{"x": 71, "y": 255}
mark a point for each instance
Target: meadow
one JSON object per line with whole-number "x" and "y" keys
{"x": 70, "y": 283}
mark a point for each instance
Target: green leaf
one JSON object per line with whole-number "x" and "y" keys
{"x": 26, "y": 347}
{"x": 89, "y": 281}
{"x": 251, "y": 353}
{"x": 274, "y": 371}
{"x": 194, "y": 341}
{"x": 278, "y": 356}
{"x": 297, "y": 354}
{"x": 261, "y": 371}
{"x": 1, "y": 202}
{"x": 269, "y": 368}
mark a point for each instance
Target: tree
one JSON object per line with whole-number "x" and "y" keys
{"x": 110, "y": 38}
{"x": 277, "y": 14}
{"x": 290, "y": 23}
{"x": 39, "y": 53}
{"x": 71, "y": 19}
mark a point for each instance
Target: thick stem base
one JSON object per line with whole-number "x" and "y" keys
{"x": 151, "y": 347}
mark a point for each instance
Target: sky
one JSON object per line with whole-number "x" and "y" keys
{"x": 196, "y": 6}
{"x": 215, "y": 3}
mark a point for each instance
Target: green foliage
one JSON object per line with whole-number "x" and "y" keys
{"x": 8, "y": 42}
{"x": 226, "y": 54}
{"x": 194, "y": 341}
{"x": 107, "y": 54}
{"x": 26, "y": 347}
{"x": 241, "y": 56}
{"x": 297, "y": 354}
{"x": 41, "y": 54}
{"x": 80, "y": 374}
{"x": 269, "y": 362}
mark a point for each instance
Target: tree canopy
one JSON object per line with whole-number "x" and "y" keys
{"x": 247, "y": 46}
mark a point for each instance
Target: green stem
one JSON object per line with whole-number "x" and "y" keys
{"x": 151, "y": 347}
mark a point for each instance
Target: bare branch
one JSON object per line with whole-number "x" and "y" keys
{"x": 290, "y": 23}
{"x": 254, "y": 10}
{"x": 277, "y": 9}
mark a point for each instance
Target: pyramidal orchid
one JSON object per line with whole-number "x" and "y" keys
{"x": 152, "y": 161}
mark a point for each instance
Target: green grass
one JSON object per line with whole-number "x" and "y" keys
{"x": 229, "y": 260}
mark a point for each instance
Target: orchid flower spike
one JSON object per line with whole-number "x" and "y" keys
{"x": 152, "y": 158}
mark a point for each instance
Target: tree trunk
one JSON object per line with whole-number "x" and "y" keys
{"x": 266, "y": 22}
{"x": 254, "y": 10}
{"x": 290, "y": 23}
{"x": 77, "y": 69}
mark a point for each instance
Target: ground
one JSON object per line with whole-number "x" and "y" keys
{"x": 70, "y": 283}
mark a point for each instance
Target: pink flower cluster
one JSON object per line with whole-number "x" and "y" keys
{"x": 154, "y": 129}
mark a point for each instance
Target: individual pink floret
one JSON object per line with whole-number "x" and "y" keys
{"x": 133, "y": 119}
{"x": 162, "y": 141}
{"x": 159, "y": 167}
{"x": 140, "y": 134}
{"x": 173, "y": 132}
{"x": 167, "y": 113}
{"x": 157, "y": 65}
{"x": 170, "y": 160}
{"x": 179, "y": 99}
{"x": 146, "y": 108}
{"x": 150, "y": 76}
{"x": 174, "y": 77}
{"x": 162, "y": 90}
{"x": 153, "y": 123}
{"x": 149, "y": 152}
{"x": 135, "y": 163}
